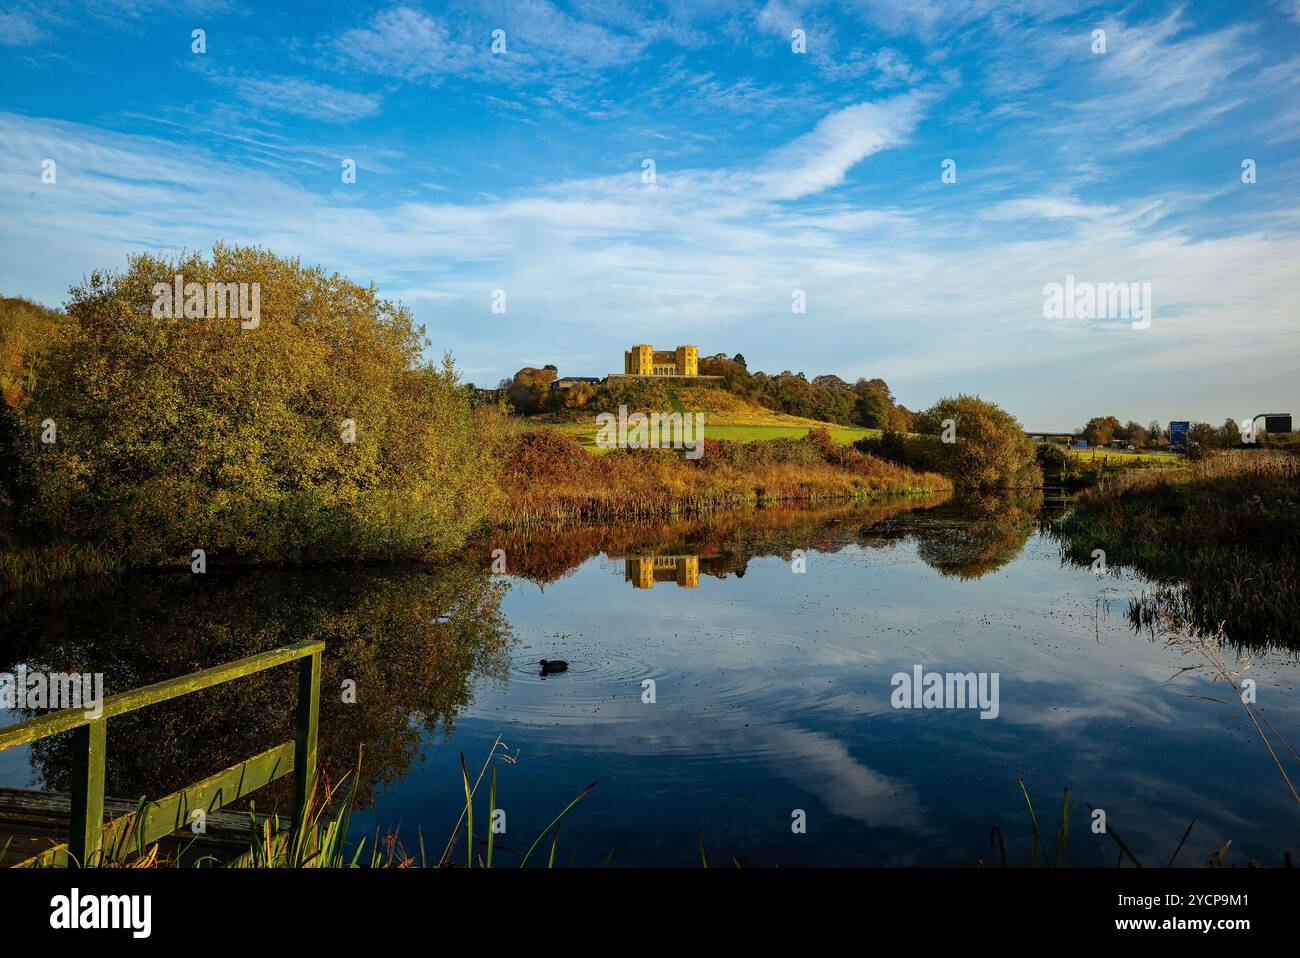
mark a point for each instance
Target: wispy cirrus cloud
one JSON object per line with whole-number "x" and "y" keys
{"x": 409, "y": 44}
{"x": 320, "y": 101}
{"x": 1157, "y": 82}
{"x": 1291, "y": 8}
{"x": 540, "y": 39}
{"x": 19, "y": 28}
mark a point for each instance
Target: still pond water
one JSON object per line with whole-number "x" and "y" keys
{"x": 772, "y": 691}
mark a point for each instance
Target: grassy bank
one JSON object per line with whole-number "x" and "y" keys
{"x": 1080, "y": 468}
{"x": 1220, "y": 533}
{"x": 726, "y": 416}
{"x": 585, "y": 432}
{"x": 32, "y": 567}
{"x": 547, "y": 476}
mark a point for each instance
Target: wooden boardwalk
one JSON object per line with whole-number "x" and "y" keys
{"x": 34, "y": 822}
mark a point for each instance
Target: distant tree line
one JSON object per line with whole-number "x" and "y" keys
{"x": 1103, "y": 430}
{"x": 828, "y": 398}
{"x": 867, "y": 402}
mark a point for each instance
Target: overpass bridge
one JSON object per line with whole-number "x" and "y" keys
{"x": 1065, "y": 434}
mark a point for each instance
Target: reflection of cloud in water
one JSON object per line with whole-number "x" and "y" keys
{"x": 815, "y": 762}
{"x": 825, "y": 767}
{"x": 780, "y": 682}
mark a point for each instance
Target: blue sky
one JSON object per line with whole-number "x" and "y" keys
{"x": 774, "y": 171}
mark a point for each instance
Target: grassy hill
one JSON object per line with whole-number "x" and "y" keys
{"x": 726, "y": 416}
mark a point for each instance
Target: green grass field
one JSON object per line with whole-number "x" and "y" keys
{"x": 725, "y": 417}
{"x": 1123, "y": 457}
{"x": 586, "y": 432}
{"x": 742, "y": 433}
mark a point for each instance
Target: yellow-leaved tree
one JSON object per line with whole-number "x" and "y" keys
{"x": 315, "y": 431}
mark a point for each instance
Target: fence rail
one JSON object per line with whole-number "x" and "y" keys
{"x": 166, "y": 815}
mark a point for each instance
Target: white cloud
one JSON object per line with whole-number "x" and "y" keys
{"x": 1157, "y": 82}
{"x": 1046, "y": 207}
{"x": 19, "y": 28}
{"x": 407, "y": 43}
{"x": 821, "y": 158}
{"x": 542, "y": 41}
{"x": 304, "y": 98}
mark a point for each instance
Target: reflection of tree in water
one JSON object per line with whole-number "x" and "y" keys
{"x": 725, "y": 542}
{"x": 984, "y": 533}
{"x": 413, "y": 639}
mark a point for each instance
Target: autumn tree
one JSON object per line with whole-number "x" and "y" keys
{"x": 988, "y": 447}
{"x": 1100, "y": 429}
{"x": 26, "y": 330}
{"x": 321, "y": 433}
{"x": 1133, "y": 432}
{"x": 1204, "y": 436}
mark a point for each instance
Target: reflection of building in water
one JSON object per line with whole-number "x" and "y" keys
{"x": 644, "y": 571}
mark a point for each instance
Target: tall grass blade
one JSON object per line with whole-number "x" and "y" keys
{"x": 1033, "y": 848}
{"x": 1063, "y": 832}
{"x": 555, "y": 840}
{"x": 1181, "y": 843}
{"x": 555, "y": 822}
{"x": 492, "y": 811}
{"x": 996, "y": 832}
{"x": 469, "y": 814}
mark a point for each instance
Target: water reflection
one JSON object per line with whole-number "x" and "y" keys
{"x": 984, "y": 535}
{"x": 772, "y": 689}
{"x": 724, "y": 542}
{"x": 415, "y": 640}
{"x": 968, "y": 538}
{"x": 644, "y": 571}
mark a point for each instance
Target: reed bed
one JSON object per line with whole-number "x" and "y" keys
{"x": 1038, "y": 855}
{"x": 320, "y": 840}
{"x": 1223, "y": 530}
{"x": 1249, "y": 464}
{"x": 34, "y": 567}
{"x": 548, "y": 477}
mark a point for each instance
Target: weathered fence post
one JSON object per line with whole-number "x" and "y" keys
{"x": 88, "y": 742}
{"x": 304, "y": 741}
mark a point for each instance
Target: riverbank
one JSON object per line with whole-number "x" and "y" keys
{"x": 543, "y": 477}
{"x": 1083, "y": 468}
{"x": 1224, "y": 528}
{"x": 548, "y": 477}
{"x": 33, "y": 567}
